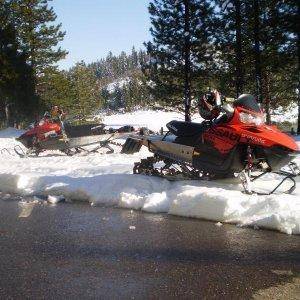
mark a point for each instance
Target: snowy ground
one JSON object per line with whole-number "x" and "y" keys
{"x": 288, "y": 114}
{"x": 107, "y": 179}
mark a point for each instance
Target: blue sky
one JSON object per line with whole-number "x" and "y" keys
{"x": 95, "y": 27}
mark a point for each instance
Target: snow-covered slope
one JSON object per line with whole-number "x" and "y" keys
{"x": 153, "y": 120}
{"x": 288, "y": 114}
{"x": 121, "y": 83}
{"x": 10, "y": 133}
{"x": 108, "y": 179}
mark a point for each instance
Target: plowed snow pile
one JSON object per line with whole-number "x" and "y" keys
{"x": 108, "y": 179}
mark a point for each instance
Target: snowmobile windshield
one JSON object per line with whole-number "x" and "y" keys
{"x": 248, "y": 102}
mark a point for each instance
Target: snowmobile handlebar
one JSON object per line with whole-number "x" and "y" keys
{"x": 227, "y": 109}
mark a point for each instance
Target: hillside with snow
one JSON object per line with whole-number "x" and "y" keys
{"x": 289, "y": 114}
{"x": 107, "y": 179}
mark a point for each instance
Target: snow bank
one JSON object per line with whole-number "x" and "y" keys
{"x": 7, "y": 141}
{"x": 108, "y": 180}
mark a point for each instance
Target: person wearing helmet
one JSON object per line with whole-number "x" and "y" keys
{"x": 57, "y": 113}
{"x": 57, "y": 116}
{"x": 209, "y": 105}
{"x": 47, "y": 115}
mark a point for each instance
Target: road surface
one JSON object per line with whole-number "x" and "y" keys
{"x": 78, "y": 251}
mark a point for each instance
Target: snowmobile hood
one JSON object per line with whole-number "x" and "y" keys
{"x": 23, "y": 139}
{"x": 22, "y": 136}
{"x": 269, "y": 136}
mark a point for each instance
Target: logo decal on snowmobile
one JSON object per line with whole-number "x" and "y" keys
{"x": 173, "y": 128}
{"x": 253, "y": 139}
{"x": 50, "y": 133}
{"x": 220, "y": 132}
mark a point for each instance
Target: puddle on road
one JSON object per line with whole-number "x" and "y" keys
{"x": 27, "y": 206}
{"x": 26, "y": 209}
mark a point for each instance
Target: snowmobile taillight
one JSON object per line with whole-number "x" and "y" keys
{"x": 251, "y": 119}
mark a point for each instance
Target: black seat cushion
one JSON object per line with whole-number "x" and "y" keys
{"x": 83, "y": 130}
{"x": 184, "y": 129}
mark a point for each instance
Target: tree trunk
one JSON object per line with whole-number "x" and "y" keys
{"x": 298, "y": 51}
{"x": 8, "y": 115}
{"x": 298, "y": 97}
{"x": 187, "y": 62}
{"x": 257, "y": 51}
{"x": 267, "y": 99}
{"x": 238, "y": 49}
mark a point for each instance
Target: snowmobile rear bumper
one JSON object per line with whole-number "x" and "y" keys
{"x": 132, "y": 145}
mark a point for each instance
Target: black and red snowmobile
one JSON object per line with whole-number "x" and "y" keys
{"x": 49, "y": 134}
{"x": 238, "y": 142}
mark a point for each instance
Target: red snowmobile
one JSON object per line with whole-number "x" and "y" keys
{"x": 238, "y": 142}
{"x": 51, "y": 134}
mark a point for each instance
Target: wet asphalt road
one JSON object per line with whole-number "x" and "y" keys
{"x": 78, "y": 251}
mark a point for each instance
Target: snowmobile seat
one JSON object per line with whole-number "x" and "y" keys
{"x": 83, "y": 130}
{"x": 186, "y": 129}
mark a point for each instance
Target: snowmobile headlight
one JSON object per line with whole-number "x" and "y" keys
{"x": 251, "y": 119}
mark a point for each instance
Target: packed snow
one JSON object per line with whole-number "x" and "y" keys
{"x": 107, "y": 179}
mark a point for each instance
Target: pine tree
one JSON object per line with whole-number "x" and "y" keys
{"x": 85, "y": 89}
{"x": 57, "y": 89}
{"x": 38, "y": 35}
{"x": 270, "y": 52}
{"x": 229, "y": 36}
{"x": 289, "y": 22}
{"x": 37, "y": 38}
{"x": 16, "y": 80}
{"x": 257, "y": 48}
{"x": 134, "y": 58}
{"x": 253, "y": 42}
{"x": 179, "y": 51}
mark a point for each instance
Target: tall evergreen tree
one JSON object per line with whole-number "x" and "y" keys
{"x": 187, "y": 60}
{"x": 36, "y": 40}
{"x": 16, "y": 81}
{"x": 57, "y": 89}
{"x": 85, "y": 91}
{"x": 229, "y": 36}
{"x": 271, "y": 57}
{"x": 179, "y": 51}
{"x": 257, "y": 48}
{"x": 38, "y": 35}
{"x": 253, "y": 41}
{"x": 289, "y": 21}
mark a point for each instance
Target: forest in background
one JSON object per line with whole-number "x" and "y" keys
{"x": 236, "y": 46}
